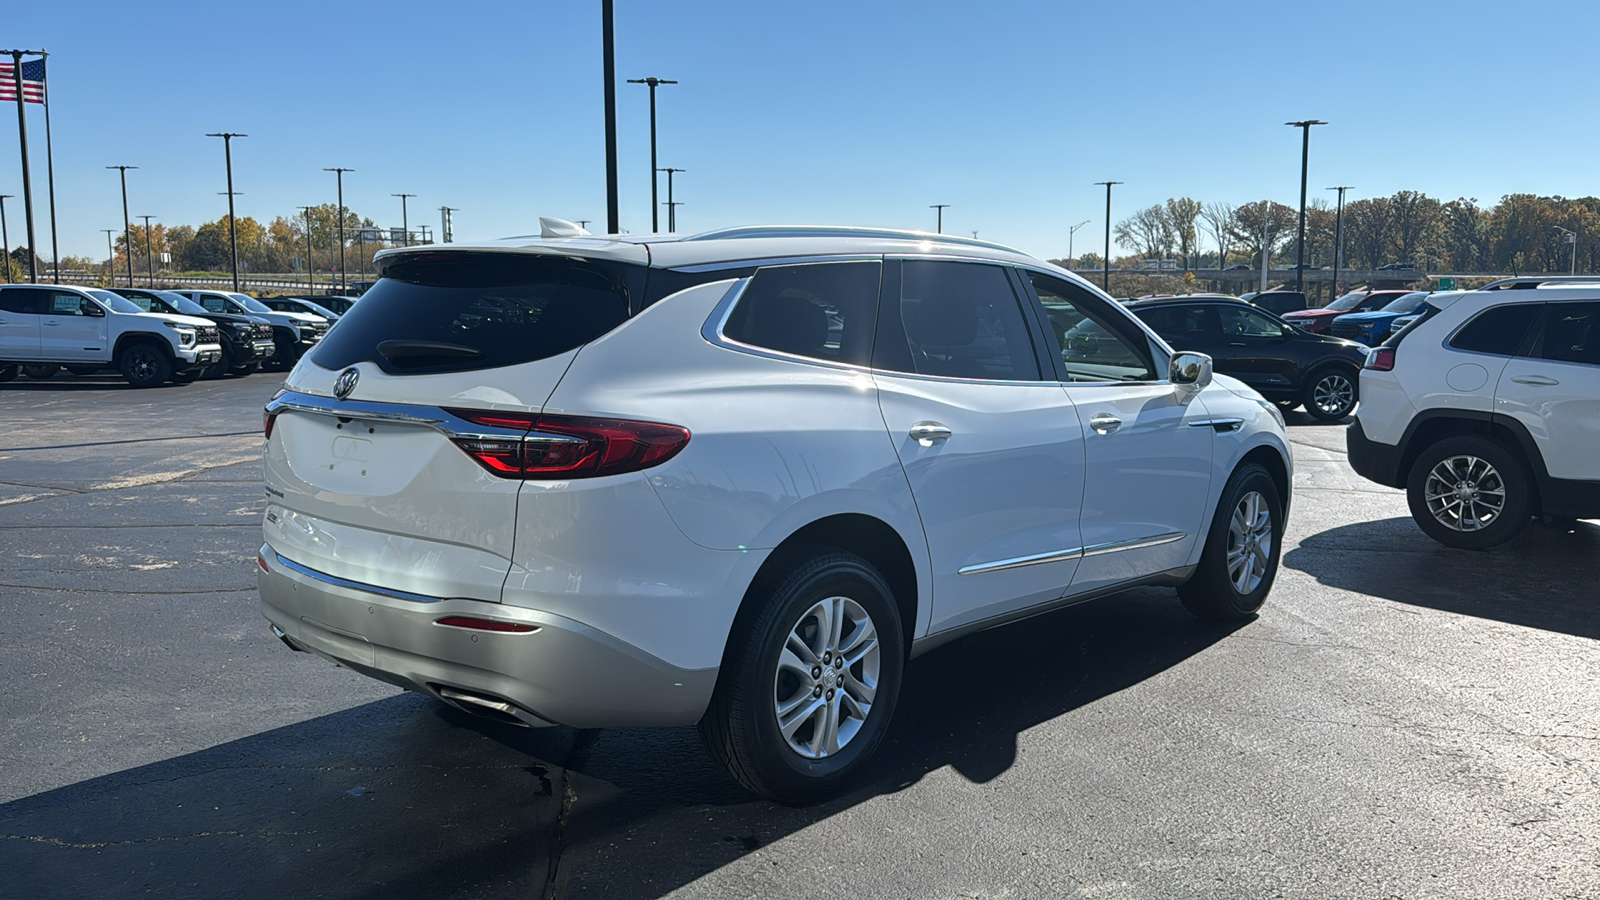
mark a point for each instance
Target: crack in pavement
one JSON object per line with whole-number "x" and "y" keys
{"x": 583, "y": 741}
{"x": 181, "y": 437}
{"x": 100, "y": 845}
{"x": 69, "y": 590}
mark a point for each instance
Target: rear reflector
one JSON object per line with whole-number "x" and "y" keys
{"x": 262, "y": 562}
{"x": 485, "y": 625}
{"x": 561, "y": 447}
{"x": 1380, "y": 359}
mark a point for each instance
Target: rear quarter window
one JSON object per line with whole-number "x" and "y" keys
{"x": 462, "y": 311}
{"x": 1499, "y": 330}
{"x": 823, "y": 311}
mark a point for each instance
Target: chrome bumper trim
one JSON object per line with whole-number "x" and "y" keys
{"x": 325, "y": 578}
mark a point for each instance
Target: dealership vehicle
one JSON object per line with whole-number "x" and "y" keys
{"x": 1398, "y": 325}
{"x": 89, "y": 329}
{"x": 1372, "y": 327}
{"x": 738, "y": 478}
{"x": 1317, "y": 321}
{"x": 1285, "y": 364}
{"x": 246, "y": 340}
{"x": 300, "y": 304}
{"x": 293, "y": 332}
{"x": 1276, "y": 302}
{"x": 335, "y": 302}
{"x": 1485, "y": 410}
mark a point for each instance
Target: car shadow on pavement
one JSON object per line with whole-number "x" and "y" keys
{"x": 61, "y": 384}
{"x": 1547, "y": 578}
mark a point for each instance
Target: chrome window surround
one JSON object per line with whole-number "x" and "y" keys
{"x": 446, "y": 423}
{"x": 1074, "y": 553}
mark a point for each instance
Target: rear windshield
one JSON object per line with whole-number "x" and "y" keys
{"x": 460, "y": 312}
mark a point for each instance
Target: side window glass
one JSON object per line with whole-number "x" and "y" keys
{"x": 1177, "y": 323}
{"x": 1572, "y": 333}
{"x": 822, "y": 311}
{"x": 24, "y": 301}
{"x": 1237, "y": 322}
{"x": 140, "y": 301}
{"x": 213, "y": 303}
{"x": 1499, "y": 330}
{"x": 1095, "y": 345}
{"x": 958, "y": 320}
{"x": 65, "y": 304}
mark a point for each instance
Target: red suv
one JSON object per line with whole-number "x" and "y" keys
{"x": 1317, "y": 321}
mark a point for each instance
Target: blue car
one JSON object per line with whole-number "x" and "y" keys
{"x": 1371, "y": 328}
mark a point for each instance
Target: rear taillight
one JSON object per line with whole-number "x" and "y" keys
{"x": 1380, "y": 359}
{"x": 268, "y": 416}
{"x": 559, "y": 447}
{"x": 477, "y": 624}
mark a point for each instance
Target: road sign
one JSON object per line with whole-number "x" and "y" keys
{"x": 1447, "y": 284}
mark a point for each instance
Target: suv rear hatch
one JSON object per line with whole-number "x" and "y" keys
{"x": 403, "y": 480}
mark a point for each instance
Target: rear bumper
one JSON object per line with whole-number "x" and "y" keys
{"x": 564, "y": 672}
{"x": 1371, "y": 459}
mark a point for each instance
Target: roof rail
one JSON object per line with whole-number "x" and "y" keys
{"x": 1529, "y": 282}
{"x": 842, "y": 231}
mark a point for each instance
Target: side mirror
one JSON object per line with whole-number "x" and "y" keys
{"x": 92, "y": 310}
{"x": 1190, "y": 369}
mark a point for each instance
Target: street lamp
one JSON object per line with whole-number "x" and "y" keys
{"x": 1070, "y": 235}
{"x": 127, "y": 228}
{"x": 672, "y": 208}
{"x": 447, "y": 223}
{"x": 233, "y": 234}
{"x": 1338, "y": 237}
{"x": 149, "y": 257}
{"x": 941, "y": 207}
{"x": 1305, "y": 157}
{"x": 608, "y": 64}
{"x": 405, "y": 227}
{"x": 1105, "y": 276}
{"x": 339, "y": 174}
{"x": 1572, "y": 238}
{"x": 653, "y": 82}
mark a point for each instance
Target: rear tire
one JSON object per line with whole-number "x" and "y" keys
{"x": 220, "y": 368}
{"x": 41, "y": 371}
{"x": 1240, "y": 560}
{"x": 9, "y": 372}
{"x": 143, "y": 365}
{"x": 820, "y": 639}
{"x": 1470, "y": 493}
{"x": 1330, "y": 393}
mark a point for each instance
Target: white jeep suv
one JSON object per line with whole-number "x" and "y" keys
{"x": 739, "y": 478}
{"x": 1486, "y": 409}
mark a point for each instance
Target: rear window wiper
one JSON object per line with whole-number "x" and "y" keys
{"x": 412, "y": 351}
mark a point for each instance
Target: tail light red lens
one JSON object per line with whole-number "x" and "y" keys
{"x": 560, "y": 447}
{"x": 1381, "y": 359}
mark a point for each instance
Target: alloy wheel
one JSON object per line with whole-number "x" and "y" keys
{"x": 1465, "y": 493}
{"x": 827, "y": 677}
{"x": 1249, "y": 542}
{"x": 143, "y": 364}
{"x": 1334, "y": 394}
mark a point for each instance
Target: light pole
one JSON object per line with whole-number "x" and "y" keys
{"x": 149, "y": 257}
{"x": 1105, "y": 275}
{"x": 447, "y": 230}
{"x": 584, "y": 224}
{"x": 1070, "y": 235}
{"x": 127, "y": 227}
{"x": 939, "y": 223}
{"x": 1338, "y": 237}
{"x": 405, "y": 227}
{"x": 233, "y": 234}
{"x": 5, "y": 240}
{"x": 672, "y": 218}
{"x": 1305, "y": 157}
{"x": 1572, "y": 238}
{"x": 653, "y": 82}
{"x": 311, "y": 278}
{"x": 339, "y": 174}
{"x": 608, "y": 63}
{"x": 111, "y": 255}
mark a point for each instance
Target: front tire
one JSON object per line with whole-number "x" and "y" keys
{"x": 1330, "y": 394}
{"x": 9, "y": 372}
{"x": 810, "y": 678}
{"x": 1240, "y": 560}
{"x": 1470, "y": 493}
{"x": 220, "y": 368}
{"x": 145, "y": 366}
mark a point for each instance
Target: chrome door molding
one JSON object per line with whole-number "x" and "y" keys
{"x": 1073, "y": 553}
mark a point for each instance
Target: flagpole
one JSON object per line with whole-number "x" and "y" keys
{"x": 49, "y": 164}
{"x": 27, "y": 181}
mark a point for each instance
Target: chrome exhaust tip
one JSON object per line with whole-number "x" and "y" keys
{"x": 285, "y": 638}
{"x": 491, "y": 707}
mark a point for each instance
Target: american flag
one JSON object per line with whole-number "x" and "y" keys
{"x": 32, "y": 81}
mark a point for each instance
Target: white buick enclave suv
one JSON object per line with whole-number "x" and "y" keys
{"x": 739, "y": 478}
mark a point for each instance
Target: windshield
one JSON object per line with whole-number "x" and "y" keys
{"x": 1405, "y": 302}
{"x": 1348, "y": 301}
{"x": 182, "y": 304}
{"x": 119, "y": 303}
{"x": 250, "y": 302}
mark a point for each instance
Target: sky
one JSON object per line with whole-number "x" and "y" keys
{"x": 822, "y": 112}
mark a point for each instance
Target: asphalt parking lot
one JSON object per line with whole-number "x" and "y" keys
{"x": 1402, "y": 720}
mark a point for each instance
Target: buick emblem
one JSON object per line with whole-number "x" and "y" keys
{"x": 346, "y": 382}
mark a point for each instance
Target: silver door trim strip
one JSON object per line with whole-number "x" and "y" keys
{"x": 1018, "y": 562}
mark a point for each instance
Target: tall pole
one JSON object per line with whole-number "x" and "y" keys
{"x": 27, "y": 179}
{"x": 339, "y": 174}
{"x": 939, "y": 221}
{"x": 447, "y": 224}
{"x": 672, "y": 208}
{"x": 652, "y": 82}
{"x": 1305, "y": 158}
{"x": 609, "y": 63}
{"x": 1105, "y": 273}
{"x": 311, "y": 278}
{"x": 49, "y": 164}
{"x": 1571, "y": 238}
{"x": 149, "y": 257}
{"x": 1338, "y": 237}
{"x": 1070, "y": 235}
{"x": 233, "y": 233}
{"x": 127, "y": 227}
{"x": 405, "y": 224}
{"x": 111, "y": 256}
{"x": 5, "y": 240}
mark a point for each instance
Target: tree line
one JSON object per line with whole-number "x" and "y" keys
{"x": 1521, "y": 233}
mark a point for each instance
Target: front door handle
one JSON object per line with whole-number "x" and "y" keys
{"x": 51, "y": 324}
{"x": 1539, "y": 380}
{"x": 925, "y": 433}
{"x": 1236, "y": 343}
{"x": 1104, "y": 423}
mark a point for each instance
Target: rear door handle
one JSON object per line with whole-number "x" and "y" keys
{"x": 1539, "y": 380}
{"x": 1104, "y": 423}
{"x": 925, "y": 433}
